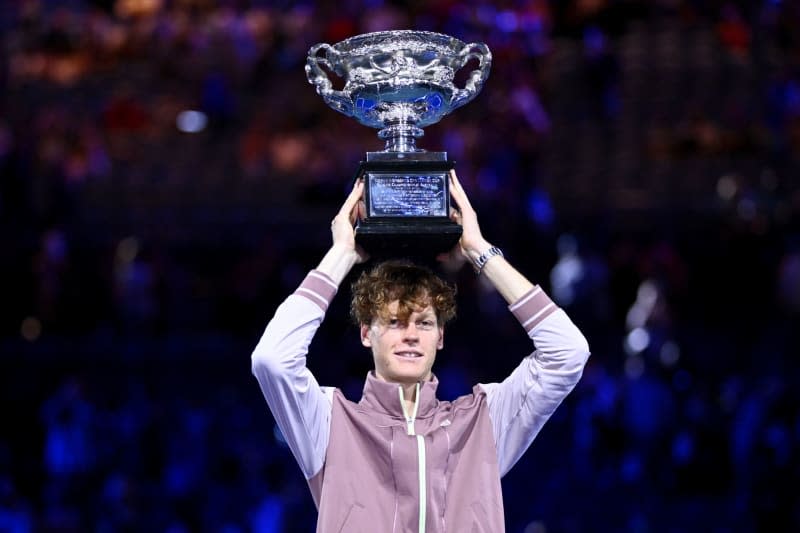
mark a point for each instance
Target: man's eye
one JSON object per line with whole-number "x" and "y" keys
{"x": 393, "y": 323}
{"x": 426, "y": 324}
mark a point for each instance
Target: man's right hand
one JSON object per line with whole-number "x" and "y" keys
{"x": 344, "y": 252}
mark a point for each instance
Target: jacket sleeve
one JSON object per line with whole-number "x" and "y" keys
{"x": 302, "y": 409}
{"x": 525, "y": 400}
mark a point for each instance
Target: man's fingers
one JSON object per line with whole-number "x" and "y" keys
{"x": 352, "y": 199}
{"x": 465, "y": 209}
{"x": 458, "y": 193}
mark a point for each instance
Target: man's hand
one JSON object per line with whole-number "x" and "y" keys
{"x": 344, "y": 252}
{"x": 506, "y": 279}
{"x": 472, "y": 244}
{"x": 342, "y": 229}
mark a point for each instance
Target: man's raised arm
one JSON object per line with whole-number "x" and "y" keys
{"x": 301, "y": 408}
{"x": 525, "y": 400}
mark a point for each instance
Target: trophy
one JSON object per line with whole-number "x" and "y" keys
{"x": 401, "y": 81}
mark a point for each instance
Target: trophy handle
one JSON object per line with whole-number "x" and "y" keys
{"x": 477, "y": 77}
{"x": 339, "y": 100}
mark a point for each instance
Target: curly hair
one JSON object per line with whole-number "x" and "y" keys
{"x": 415, "y": 287}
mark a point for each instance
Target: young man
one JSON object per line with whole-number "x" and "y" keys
{"x": 400, "y": 460}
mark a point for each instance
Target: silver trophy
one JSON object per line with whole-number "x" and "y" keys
{"x": 401, "y": 81}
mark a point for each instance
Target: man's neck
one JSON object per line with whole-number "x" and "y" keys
{"x": 409, "y": 396}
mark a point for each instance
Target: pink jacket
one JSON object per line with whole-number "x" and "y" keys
{"x": 372, "y": 467}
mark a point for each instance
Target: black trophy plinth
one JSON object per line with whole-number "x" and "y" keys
{"x": 407, "y": 198}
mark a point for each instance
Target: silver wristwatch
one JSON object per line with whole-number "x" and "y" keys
{"x": 485, "y": 256}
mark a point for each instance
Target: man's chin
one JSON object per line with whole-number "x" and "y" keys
{"x": 404, "y": 378}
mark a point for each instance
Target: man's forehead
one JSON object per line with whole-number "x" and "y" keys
{"x": 422, "y": 307}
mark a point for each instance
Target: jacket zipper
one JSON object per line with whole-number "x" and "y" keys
{"x": 423, "y": 498}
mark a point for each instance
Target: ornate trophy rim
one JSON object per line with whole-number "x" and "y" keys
{"x": 359, "y": 44}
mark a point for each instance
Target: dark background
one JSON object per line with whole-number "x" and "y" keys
{"x": 638, "y": 159}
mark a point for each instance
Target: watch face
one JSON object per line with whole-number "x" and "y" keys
{"x": 407, "y": 195}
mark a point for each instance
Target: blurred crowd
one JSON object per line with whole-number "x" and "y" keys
{"x": 167, "y": 178}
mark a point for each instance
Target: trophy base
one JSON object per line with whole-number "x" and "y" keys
{"x": 403, "y": 237}
{"x": 407, "y": 198}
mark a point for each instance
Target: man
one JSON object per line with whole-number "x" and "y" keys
{"x": 400, "y": 460}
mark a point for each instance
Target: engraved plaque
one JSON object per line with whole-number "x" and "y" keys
{"x": 409, "y": 195}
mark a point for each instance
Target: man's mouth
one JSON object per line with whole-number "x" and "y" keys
{"x": 408, "y": 354}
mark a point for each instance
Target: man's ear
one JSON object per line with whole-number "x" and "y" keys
{"x": 365, "y": 335}
{"x": 440, "y": 345}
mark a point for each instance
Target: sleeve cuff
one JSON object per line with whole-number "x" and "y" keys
{"x": 532, "y": 308}
{"x": 319, "y": 288}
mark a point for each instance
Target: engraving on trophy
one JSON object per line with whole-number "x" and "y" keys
{"x": 410, "y": 195}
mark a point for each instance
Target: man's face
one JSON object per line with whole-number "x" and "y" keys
{"x": 403, "y": 352}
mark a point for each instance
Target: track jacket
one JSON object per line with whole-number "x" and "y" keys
{"x": 371, "y": 466}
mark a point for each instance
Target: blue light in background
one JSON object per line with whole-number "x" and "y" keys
{"x": 540, "y": 208}
{"x": 191, "y": 121}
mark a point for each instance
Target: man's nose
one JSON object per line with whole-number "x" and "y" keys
{"x": 411, "y": 331}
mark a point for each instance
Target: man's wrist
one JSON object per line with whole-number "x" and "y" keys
{"x": 473, "y": 252}
{"x": 338, "y": 262}
{"x": 479, "y": 253}
{"x": 479, "y": 262}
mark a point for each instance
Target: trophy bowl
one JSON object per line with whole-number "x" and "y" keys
{"x": 399, "y": 81}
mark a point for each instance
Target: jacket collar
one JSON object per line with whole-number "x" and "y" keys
{"x": 382, "y": 396}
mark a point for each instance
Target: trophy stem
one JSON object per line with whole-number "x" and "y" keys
{"x": 400, "y": 136}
